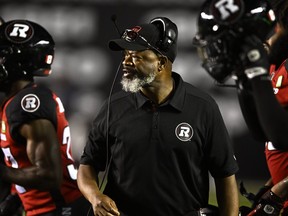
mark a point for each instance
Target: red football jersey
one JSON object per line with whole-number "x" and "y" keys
{"x": 34, "y": 102}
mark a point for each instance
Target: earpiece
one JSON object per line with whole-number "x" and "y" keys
{"x": 168, "y": 30}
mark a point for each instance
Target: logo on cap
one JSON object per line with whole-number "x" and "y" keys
{"x": 136, "y": 28}
{"x": 19, "y": 32}
{"x": 227, "y": 11}
{"x": 184, "y": 132}
{"x": 30, "y": 103}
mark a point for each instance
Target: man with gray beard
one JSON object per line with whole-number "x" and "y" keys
{"x": 158, "y": 139}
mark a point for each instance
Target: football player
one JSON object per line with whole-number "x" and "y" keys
{"x": 242, "y": 51}
{"x": 35, "y": 135}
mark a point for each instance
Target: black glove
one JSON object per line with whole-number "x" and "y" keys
{"x": 10, "y": 205}
{"x": 270, "y": 204}
{"x": 254, "y": 59}
{"x": 259, "y": 194}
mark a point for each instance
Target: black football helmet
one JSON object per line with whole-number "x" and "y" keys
{"x": 26, "y": 50}
{"x": 222, "y": 24}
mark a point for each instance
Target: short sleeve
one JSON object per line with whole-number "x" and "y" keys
{"x": 31, "y": 104}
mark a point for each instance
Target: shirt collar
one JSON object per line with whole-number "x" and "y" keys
{"x": 176, "y": 100}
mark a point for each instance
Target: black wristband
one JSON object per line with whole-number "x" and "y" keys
{"x": 271, "y": 196}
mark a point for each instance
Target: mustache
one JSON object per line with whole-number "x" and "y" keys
{"x": 129, "y": 69}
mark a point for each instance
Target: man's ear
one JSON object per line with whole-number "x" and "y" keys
{"x": 162, "y": 62}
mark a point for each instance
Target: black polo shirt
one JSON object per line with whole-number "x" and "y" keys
{"x": 161, "y": 155}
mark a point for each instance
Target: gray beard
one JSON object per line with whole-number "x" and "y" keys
{"x": 137, "y": 83}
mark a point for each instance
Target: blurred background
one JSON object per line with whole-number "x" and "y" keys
{"x": 84, "y": 67}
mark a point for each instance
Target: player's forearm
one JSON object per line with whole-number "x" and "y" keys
{"x": 273, "y": 117}
{"x": 280, "y": 189}
{"x": 249, "y": 111}
{"x": 33, "y": 176}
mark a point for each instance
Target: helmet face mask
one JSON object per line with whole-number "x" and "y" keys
{"x": 220, "y": 31}
{"x": 216, "y": 54}
{"x": 26, "y": 50}
{"x": 214, "y": 60}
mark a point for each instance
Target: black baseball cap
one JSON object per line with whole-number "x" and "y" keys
{"x": 142, "y": 37}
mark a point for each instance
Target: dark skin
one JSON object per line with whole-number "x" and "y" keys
{"x": 43, "y": 151}
{"x": 148, "y": 62}
{"x": 142, "y": 63}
